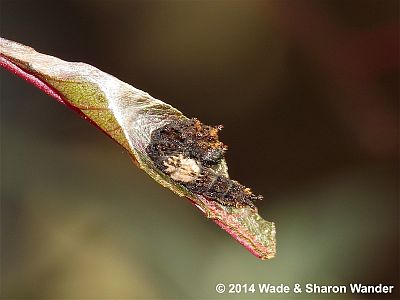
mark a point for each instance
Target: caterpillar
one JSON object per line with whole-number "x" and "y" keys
{"x": 187, "y": 151}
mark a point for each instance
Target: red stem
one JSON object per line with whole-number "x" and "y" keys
{"x": 32, "y": 79}
{"x": 36, "y": 81}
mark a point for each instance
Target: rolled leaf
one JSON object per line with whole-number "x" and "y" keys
{"x": 129, "y": 116}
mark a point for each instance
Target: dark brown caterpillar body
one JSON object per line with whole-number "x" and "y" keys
{"x": 187, "y": 151}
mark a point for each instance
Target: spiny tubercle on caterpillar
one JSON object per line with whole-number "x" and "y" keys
{"x": 187, "y": 151}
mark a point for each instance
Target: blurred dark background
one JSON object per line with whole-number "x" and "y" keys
{"x": 308, "y": 94}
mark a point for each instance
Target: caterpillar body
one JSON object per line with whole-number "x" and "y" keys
{"x": 187, "y": 151}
